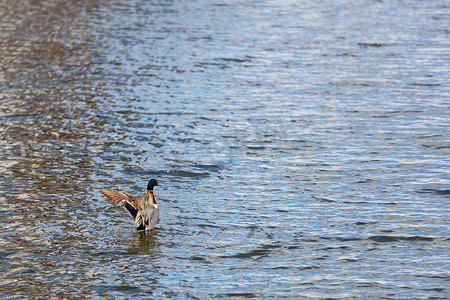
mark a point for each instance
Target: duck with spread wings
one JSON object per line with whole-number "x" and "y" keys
{"x": 144, "y": 210}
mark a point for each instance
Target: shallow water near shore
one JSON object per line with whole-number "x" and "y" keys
{"x": 302, "y": 147}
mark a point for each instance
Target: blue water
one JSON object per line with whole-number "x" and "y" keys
{"x": 303, "y": 148}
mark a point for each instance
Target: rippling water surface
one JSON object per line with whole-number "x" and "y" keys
{"x": 302, "y": 146}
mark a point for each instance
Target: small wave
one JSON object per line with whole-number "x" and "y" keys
{"x": 176, "y": 173}
{"x": 372, "y": 44}
{"x": 198, "y": 258}
{"x": 20, "y": 116}
{"x": 424, "y": 84}
{"x": 391, "y": 238}
{"x": 234, "y": 60}
{"x": 239, "y": 295}
{"x": 183, "y": 173}
{"x": 433, "y": 191}
{"x": 4, "y": 254}
{"x": 323, "y": 199}
{"x": 263, "y": 251}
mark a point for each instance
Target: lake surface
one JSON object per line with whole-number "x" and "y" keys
{"x": 303, "y": 148}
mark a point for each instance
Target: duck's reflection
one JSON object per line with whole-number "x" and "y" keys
{"x": 146, "y": 241}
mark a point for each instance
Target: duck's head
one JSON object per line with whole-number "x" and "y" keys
{"x": 151, "y": 184}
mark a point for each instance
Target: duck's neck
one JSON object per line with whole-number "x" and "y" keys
{"x": 151, "y": 196}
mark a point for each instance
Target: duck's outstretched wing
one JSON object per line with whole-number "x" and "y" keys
{"x": 128, "y": 202}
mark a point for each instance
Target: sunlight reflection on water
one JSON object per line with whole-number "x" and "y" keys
{"x": 302, "y": 148}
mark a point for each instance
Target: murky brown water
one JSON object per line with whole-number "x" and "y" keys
{"x": 302, "y": 146}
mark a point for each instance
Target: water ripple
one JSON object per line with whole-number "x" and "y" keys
{"x": 301, "y": 146}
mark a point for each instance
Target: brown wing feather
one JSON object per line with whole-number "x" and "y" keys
{"x": 118, "y": 197}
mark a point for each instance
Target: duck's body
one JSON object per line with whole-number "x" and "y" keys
{"x": 144, "y": 210}
{"x": 149, "y": 211}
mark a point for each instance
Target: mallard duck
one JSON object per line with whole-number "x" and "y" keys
{"x": 144, "y": 210}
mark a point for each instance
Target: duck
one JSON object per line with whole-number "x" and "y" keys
{"x": 144, "y": 211}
